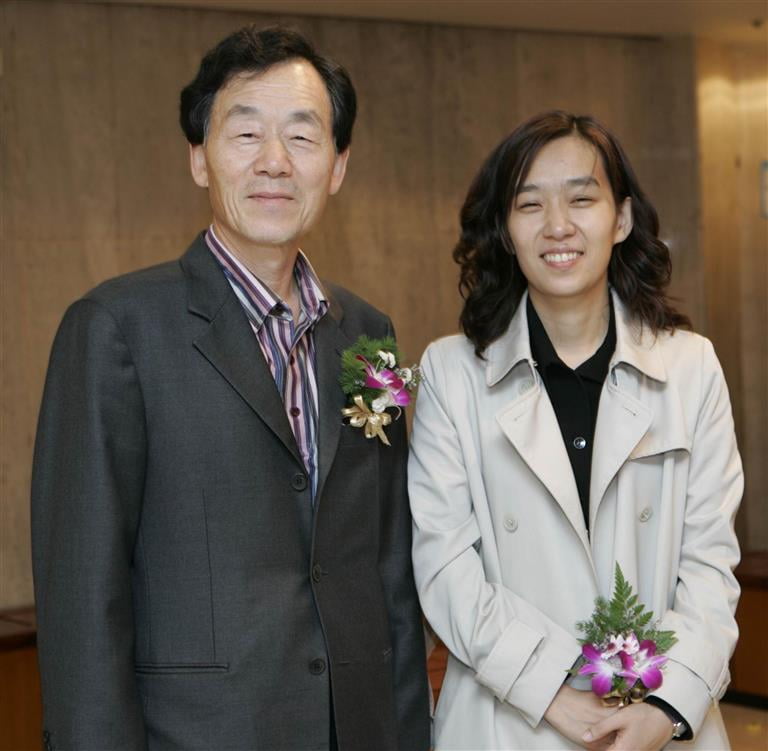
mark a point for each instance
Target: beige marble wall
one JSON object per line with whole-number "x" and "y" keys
{"x": 732, "y": 85}
{"x": 95, "y": 179}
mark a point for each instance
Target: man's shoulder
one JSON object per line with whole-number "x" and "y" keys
{"x": 355, "y": 307}
{"x": 138, "y": 287}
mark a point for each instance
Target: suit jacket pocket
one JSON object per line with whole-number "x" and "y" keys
{"x": 180, "y": 668}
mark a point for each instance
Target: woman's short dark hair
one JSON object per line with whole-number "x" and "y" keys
{"x": 254, "y": 50}
{"x": 491, "y": 280}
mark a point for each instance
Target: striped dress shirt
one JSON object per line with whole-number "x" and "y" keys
{"x": 288, "y": 346}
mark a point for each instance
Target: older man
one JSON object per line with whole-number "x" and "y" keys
{"x": 219, "y": 562}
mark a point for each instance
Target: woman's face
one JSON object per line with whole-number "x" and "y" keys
{"x": 564, "y": 222}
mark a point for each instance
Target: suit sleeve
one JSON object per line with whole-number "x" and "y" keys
{"x": 514, "y": 649}
{"x": 88, "y": 475}
{"x": 702, "y": 615}
{"x": 396, "y": 571}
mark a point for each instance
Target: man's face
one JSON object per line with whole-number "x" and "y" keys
{"x": 269, "y": 160}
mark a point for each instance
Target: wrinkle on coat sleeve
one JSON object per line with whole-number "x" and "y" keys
{"x": 516, "y": 651}
{"x": 702, "y": 615}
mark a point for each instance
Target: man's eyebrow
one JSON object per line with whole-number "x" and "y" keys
{"x": 241, "y": 109}
{"x": 572, "y": 182}
{"x": 299, "y": 116}
{"x": 305, "y": 116}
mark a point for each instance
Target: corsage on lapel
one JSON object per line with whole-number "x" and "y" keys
{"x": 374, "y": 381}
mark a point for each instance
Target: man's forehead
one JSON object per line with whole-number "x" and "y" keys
{"x": 293, "y": 84}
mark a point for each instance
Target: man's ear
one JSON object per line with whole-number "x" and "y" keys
{"x": 623, "y": 221}
{"x": 197, "y": 164}
{"x": 339, "y": 170}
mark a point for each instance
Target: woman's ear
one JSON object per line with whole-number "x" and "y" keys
{"x": 623, "y": 221}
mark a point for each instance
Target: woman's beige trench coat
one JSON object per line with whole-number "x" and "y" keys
{"x": 503, "y": 562}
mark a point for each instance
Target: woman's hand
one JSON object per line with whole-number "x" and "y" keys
{"x": 638, "y": 727}
{"x": 573, "y": 713}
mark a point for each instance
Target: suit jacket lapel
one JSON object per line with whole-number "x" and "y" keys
{"x": 330, "y": 342}
{"x": 228, "y": 342}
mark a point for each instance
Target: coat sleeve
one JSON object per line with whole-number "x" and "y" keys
{"x": 396, "y": 571}
{"x": 702, "y": 615}
{"x": 87, "y": 483}
{"x": 513, "y": 648}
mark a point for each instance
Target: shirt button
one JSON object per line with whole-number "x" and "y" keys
{"x": 295, "y": 411}
{"x": 579, "y": 442}
{"x": 645, "y": 514}
{"x": 510, "y": 523}
{"x": 299, "y": 481}
{"x": 316, "y": 667}
{"x": 317, "y": 573}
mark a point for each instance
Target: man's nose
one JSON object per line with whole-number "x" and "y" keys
{"x": 273, "y": 158}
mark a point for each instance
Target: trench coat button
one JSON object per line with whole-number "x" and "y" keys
{"x": 510, "y": 523}
{"x": 316, "y": 667}
{"x": 524, "y": 386}
{"x": 317, "y": 573}
{"x": 299, "y": 481}
{"x": 645, "y": 514}
{"x": 579, "y": 442}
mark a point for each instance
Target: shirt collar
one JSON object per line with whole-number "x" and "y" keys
{"x": 259, "y": 299}
{"x": 635, "y": 345}
{"x": 595, "y": 368}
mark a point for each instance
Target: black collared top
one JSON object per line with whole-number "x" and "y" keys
{"x": 575, "y": 396}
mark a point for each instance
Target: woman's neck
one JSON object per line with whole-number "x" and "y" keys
{"x": 576, "y": 327}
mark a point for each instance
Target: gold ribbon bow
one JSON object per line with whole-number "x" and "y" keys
{"x": 374, "y": 422}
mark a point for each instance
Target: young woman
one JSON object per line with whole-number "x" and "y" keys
{"x": 573, "y": 426}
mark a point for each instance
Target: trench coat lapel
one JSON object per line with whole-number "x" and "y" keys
{"x": 530, "y": 425}
{"x": 622, "y": 419}
{"x": 528, "y": 420}
{"x": 621, "y": 424}
{"x": 330, "y": 342}
{"x": 228, "y": 342}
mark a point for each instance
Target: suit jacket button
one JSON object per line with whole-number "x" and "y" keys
{"x": 317, "y": 573}
{"x": 299, "y": 481}
{"x": 316, "y": 667}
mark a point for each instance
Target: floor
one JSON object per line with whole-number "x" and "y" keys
{"x": 747, "y": 727}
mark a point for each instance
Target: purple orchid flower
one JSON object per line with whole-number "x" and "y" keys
{"x": 603, "y": 669}
{"x": 646, "y": 666}
{"x": 620, "y": 643}
{"x": 386, "y": 380}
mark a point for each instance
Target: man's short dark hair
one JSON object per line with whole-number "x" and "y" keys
{"x": 254, "y": 50}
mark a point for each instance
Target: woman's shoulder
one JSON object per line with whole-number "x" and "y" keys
{"x": 452, "y": 353}
{"x": 683, "y": 348}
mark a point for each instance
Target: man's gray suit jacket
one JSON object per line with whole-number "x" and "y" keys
{"x": 188, "y": 594}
